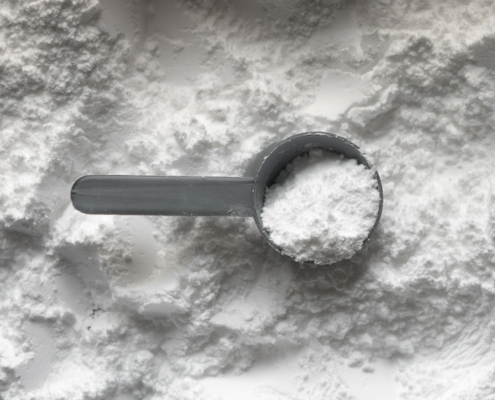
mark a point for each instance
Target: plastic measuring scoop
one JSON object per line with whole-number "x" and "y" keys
{"x": 208, "y": 196}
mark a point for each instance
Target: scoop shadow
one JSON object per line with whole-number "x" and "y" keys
{"x": 339, "y": 277}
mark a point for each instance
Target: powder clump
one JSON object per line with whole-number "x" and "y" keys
{"x": 321, "y": 207}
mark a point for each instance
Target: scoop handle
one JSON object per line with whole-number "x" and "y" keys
{"x": 163, "y": 195}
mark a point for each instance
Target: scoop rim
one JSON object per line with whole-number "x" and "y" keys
{"x": 261, "y": 186}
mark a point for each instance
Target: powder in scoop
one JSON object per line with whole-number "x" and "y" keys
{"x": 321, "y": 207}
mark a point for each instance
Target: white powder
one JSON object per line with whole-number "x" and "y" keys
{"x": 321, "y": 208}
{"x": 127, "y": 308}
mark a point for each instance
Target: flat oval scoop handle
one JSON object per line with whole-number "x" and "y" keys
{"x": 164, "y": 195}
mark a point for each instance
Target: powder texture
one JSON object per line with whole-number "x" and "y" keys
{"x": 321, "y": 208}
{"x": 153, "y": 308}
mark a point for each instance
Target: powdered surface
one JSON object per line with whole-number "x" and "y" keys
{"x": 124, "y": 308}
{"x": 321, "y": 208}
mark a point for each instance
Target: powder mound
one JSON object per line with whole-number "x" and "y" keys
{"x": 321, "y": 207}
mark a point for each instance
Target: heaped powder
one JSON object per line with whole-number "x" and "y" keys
{"x": 321, "y": 208}
{"x": 136, "y": 307}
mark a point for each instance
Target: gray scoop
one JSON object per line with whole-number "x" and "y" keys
{"x": 208, "y": 196}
